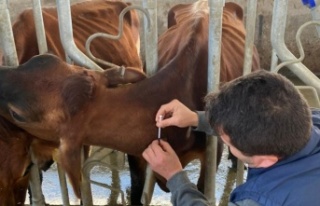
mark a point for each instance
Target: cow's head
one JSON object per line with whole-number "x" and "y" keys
{"x": 14, "y": 163}
{"x": 44, "y": 92}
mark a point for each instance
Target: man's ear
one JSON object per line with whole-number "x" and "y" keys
{"x": 224, "y": 137}
{"x": 77, "y": 90}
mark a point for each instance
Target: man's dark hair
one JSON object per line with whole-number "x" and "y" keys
{"x": 263, "y": 113}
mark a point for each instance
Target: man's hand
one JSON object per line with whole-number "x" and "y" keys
{"x": 162, "y": 159}
{"x": 176, "y": 114}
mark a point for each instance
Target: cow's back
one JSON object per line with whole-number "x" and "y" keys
{"x": 87, "y": 18}
{"x": 180, "y": 20}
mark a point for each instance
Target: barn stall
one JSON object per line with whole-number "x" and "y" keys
{"x": 273, "y": 31}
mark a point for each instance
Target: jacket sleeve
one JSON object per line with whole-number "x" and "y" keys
{"x": 184, "y": 192}
{"x": 203, "y": 124}
{"x": 245, "y": 202}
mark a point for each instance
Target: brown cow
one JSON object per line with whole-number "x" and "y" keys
{"x": 183, "y": 28}
{"x": 87, "y": 18}
{"x": 62, "y": 112}
{"x": 233, "y": 41}
{"x": 15, "y": 159}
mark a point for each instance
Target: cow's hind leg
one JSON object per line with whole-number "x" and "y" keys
{"x": 137, "y": 167}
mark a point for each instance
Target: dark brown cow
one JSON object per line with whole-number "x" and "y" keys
{"x": 87, "y": 18}
{"x": 74, "y": 107}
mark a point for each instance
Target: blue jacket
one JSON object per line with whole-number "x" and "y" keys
{"x": 292, "y": 181}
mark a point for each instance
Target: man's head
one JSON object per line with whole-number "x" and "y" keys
{"x": 262, "y": 113}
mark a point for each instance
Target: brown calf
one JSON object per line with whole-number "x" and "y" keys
{"x": 87, "y": 18}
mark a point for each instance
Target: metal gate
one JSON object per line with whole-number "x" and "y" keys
{"x": 149, "y": 8}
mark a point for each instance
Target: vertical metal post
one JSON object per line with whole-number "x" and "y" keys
{"x": 7, "y": 41}
{"x": 250, "y": 33}
{"x": 247, "y": 65}
{"x": 151, "y": 37}
{"x": 214, "y": 56}
{"x": 40, "y": 31}
{"x": 63, "y": 186}
{"x": 35, "y": 185}
{"x": 86, "y": 195}
{"x": 148, "y": 187}
{"x": 151, "y": 58}
{"x": 66, "y": 35}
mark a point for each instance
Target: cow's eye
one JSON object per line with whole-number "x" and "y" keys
{"x": 17, "y": 117}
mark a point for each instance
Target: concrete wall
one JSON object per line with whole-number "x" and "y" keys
{"x": 298, "y": 14}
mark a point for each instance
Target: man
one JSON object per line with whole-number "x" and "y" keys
{"x": 267, "y": 124}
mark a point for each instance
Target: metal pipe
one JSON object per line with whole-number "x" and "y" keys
{"x": 113, "y": 37}
{"x": 7, "y": 41}
{"x": 250, "y": 33}
{"x": 35, "y": 185}
{"x": 66, "y": 34}
{"x": 151, "y": 59}
{"x": 247, "y": 65}
{"x": 63, "y": 186}
{"x": 214, "y": 56}
{"x": 86, "y": 195}
{"x": 148, "y": 187}
{"x": 151, "y": 37}
{"x": 278, "y": 44}
{"x": 40, "y": 31}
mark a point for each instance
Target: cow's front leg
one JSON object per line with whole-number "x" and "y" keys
{"x": 70, "y": 160}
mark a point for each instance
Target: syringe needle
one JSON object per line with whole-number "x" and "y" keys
{"x": 159, "y": 128}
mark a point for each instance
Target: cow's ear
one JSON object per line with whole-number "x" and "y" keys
{"x": 123, "y": 75}
{"x": 234, "y": 8}
{"x": 172, "y": 17}
{"x": 77, "y": 90}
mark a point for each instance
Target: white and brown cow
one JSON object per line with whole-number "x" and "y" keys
{"x": 75, "y": 107}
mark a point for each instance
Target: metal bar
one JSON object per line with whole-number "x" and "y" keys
{"x": 214, "y": 55}
{"x": 86, "y": 195}
{"x": 151, "y": 59}
{"x": 113, "y": 37}
{"x": 247, "y": 65}
{"x": 63, "y": 186}
{"x": 250, "y": 34}
{"x": 8, "y": 45}
{"x": 66, "y": 34}
{"x": 151, "y": 37}
{"x": 40, "y": 31}
{"x": 278, "y": 44}
{"x": 148, "y": 187}
{"x": 35, "y": 185}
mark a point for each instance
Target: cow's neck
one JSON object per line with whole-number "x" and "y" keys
{"x": 129, "y": 112}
